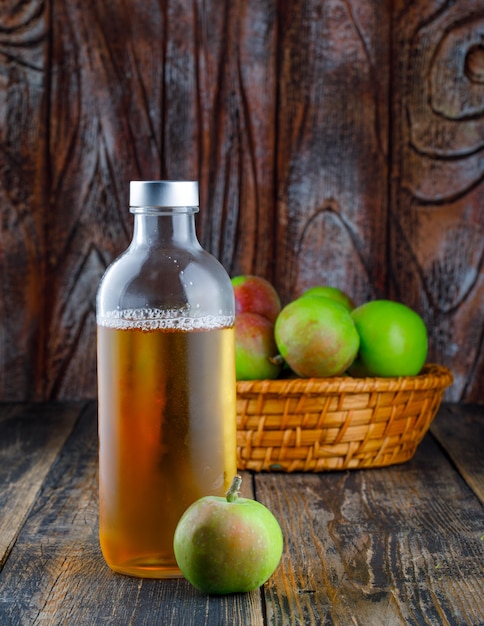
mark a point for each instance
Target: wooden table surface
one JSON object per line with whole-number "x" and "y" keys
{"x": 400, "y": 545}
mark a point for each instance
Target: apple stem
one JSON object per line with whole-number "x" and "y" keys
{"x": 277, "y": 359}
{"x": 233, "y": 492}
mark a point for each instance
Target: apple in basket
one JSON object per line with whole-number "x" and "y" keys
{"x": 227, "y": 545}
{"x": 316, "y": 336}
{"x": 393, "y": 340}
{"x": 334, "y": 293}
{"x": 254, "y": 294}
{"x": 255, "y": 348}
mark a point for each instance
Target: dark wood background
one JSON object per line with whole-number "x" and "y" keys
{"x": 335, "y": 141}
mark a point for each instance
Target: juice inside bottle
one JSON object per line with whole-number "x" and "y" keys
{"x": 167, "y": 432}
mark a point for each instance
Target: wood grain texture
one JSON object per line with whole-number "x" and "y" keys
{"x": 26, "y": 431}
{"x": 437, "y": 219}
{"x": 460, "y": 431}
{"x": 332, "y": 147}
{"x": 337, "y": 141}
{"x": 103, "y": 133}
{"x": 394, "y": 546}
{"x": 55, "y": 574}
{"x": 237, "y": 79}
{"x": 23, "y": 193}
{"x": 402, "y": 545}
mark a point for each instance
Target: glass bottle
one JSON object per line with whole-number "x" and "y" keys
{"x": 166, "y": 381}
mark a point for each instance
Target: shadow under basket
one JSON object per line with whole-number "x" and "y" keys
{"x": 321, "y": 424}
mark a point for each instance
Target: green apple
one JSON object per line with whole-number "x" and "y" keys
{"x": 227, "y": 545}
{"x": 316, "y": 336}
{"x": 393, "y": 340}
{"x": 331, "y": 292}
{"x": 254, "y": 294}
{"x": 255, "y": 348}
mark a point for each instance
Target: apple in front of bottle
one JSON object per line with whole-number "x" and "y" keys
{"x": 228, "y": 545}
{"x": 255, "y": 348}
{"x": 254, "y": 294}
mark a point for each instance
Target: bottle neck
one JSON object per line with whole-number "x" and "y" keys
{"x": 165, "y": 229}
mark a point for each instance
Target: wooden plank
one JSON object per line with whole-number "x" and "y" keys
{"x": 56, "y": 574}
{"x": 236, "y": 56}
{"x": 104, "y": 126}
{"x": 460, "y": 431}
{"x": 23, "y": 196}
{"x": 401, "y": 545}
{"x": 332, "y": 147}
{"x": 436, "y": 226}
{"x": 31, "y": 437}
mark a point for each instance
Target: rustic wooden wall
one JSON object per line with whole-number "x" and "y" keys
{"x": 335, "y": 141}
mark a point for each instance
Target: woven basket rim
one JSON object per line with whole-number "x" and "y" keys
{"x": 432, "y": 376}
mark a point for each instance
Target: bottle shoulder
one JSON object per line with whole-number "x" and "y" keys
{"x": 166, "y": 279}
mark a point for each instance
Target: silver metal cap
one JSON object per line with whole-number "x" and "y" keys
{"x": 163, "y": 193}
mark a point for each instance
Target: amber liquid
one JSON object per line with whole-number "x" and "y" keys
{"x": 167, "y": 433}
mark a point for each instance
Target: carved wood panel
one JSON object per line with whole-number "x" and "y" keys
{"x": 336, "y": 141}
{"x": 23, "y": 195}
{"x": 437, "y": 206}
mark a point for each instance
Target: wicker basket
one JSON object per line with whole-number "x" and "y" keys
{"x": 315, "y": 425}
